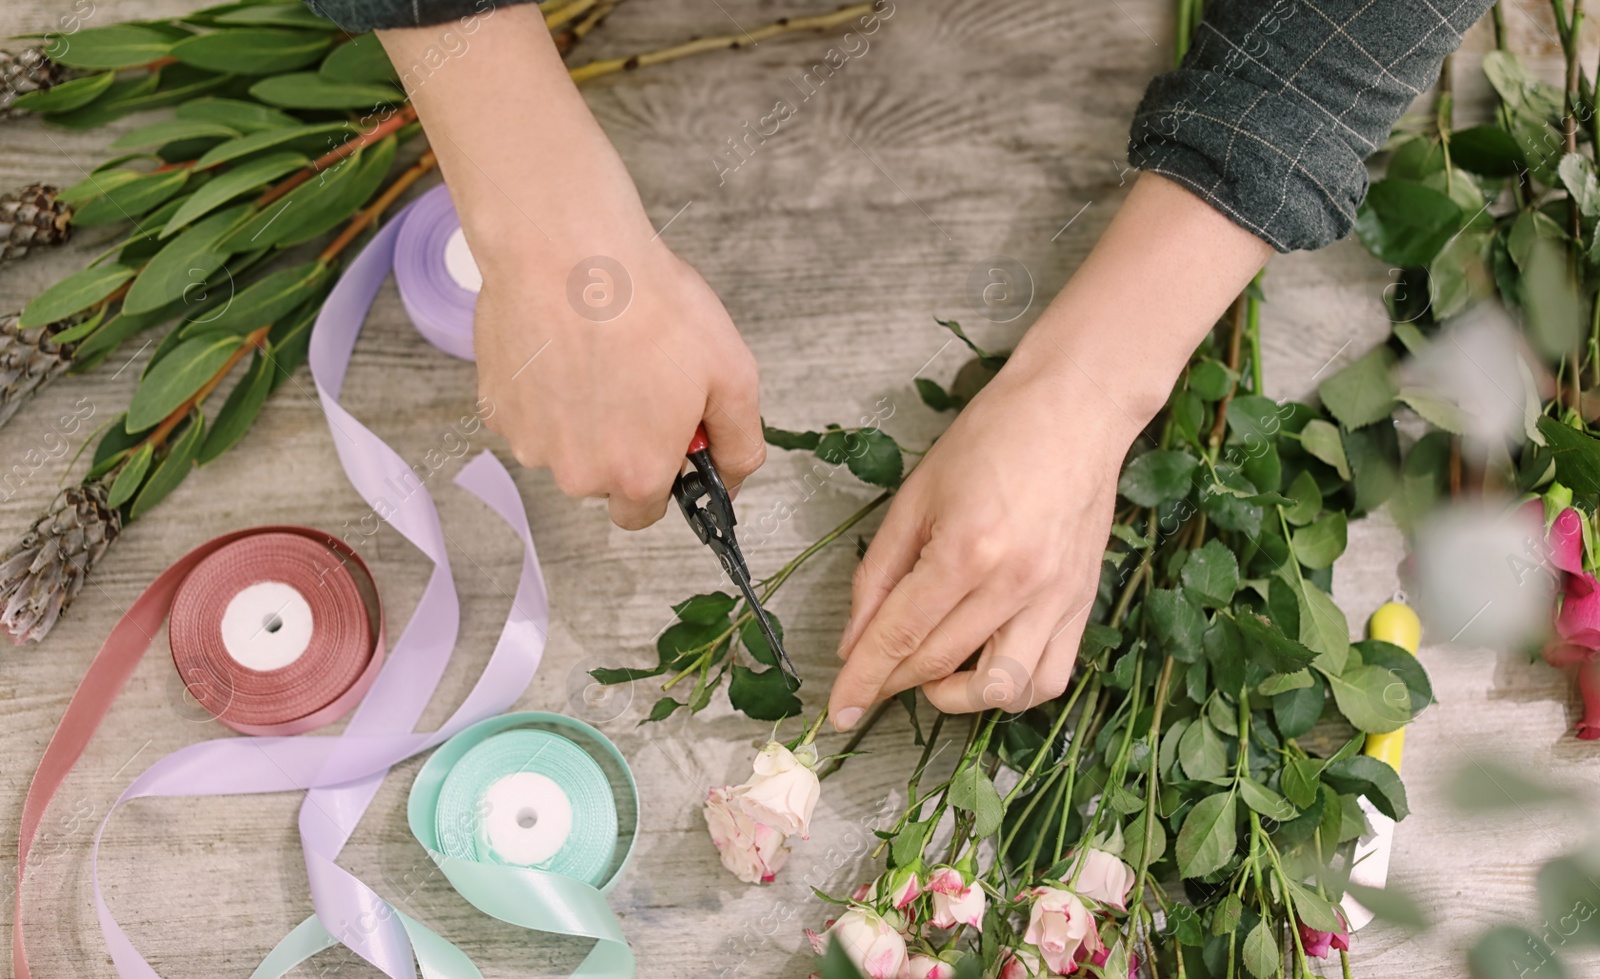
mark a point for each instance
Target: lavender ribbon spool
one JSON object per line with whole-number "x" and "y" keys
{"x": 437, "y": 276}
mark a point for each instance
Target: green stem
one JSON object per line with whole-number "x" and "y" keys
{"x": 1050, "y": 740}
{"x": 1252, "y": 316}
{"x": 776, "y": 581}
{"x": 1153, "y": 784}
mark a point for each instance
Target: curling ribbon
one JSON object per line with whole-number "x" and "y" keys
{"x": 521, "y": 818}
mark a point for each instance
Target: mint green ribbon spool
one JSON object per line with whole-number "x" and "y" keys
{"x": 563, "y": 893}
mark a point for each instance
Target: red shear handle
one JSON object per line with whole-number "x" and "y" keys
{"x": 700, "y": 442}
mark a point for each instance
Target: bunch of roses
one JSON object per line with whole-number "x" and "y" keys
{"x": 751, "y": 823}
{"x": 1578, "y": 621}
{"x": 900, "y": 926}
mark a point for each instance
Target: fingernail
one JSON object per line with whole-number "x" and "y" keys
{"x": 846, "y": 719}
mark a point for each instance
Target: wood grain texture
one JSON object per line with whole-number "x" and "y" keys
{"x": 964, "y": 131}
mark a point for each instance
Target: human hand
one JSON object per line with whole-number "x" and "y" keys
{"x": 993, "y": 543}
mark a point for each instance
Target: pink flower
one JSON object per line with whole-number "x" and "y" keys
{"x": 782, "y": 792}
{"x": 900, "y": 886}
{"x": 1579, "y": 619}
{"x": 928, "y": 967}
{"x": 868, "y": 941}
{"x": 1319, "y": 943}
{"x": 956, "y": 900}
{"x": 1020, "y": 963}
{"x": 1102, "y": 878}
{"x": 1062, "y": 929}
{"x": 1100, "y": 957}
{"x": 861, "y": 893}
{"x": 752, "y": 852}
{"x": 1565, "y": 539}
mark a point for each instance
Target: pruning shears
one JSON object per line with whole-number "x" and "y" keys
{"x": 713, "y": 521}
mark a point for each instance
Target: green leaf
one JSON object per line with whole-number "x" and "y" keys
{"x": 276, "y": 15}
{"x": 301, "y": 135}
{"x": 309, "y": 90}
{"x": 239, "y": 412}
{"x": 1434, "y": 409}
{"x": 360, "y": 59}
{"x": 1282, "y": 682}
{"x": 1178, "y": 623}
{"x": 1300, "y": 779}
{"x": 177, "y": 377}
{"x": 170, "y": 130}
{"x": 1578, "y": 175}
{"x": 1371, "y": 698}
{"x": 74, "y": 94}
{"x": 171, "y": 470}
{"x": 1322, "y": 441}
{"x": 831, "y": 447}
{"x": 972, "y": 791}
{"x": 116, "y": 46}
{"x": 764, "y": 696}
{"x": 252, "y": 51}
{"x": 933, "y": 395}
{"x": 262, "y": 302}
{"x": 1483, "y": 786}
{"x": 1201, "y": 751}
{"x": 1211, "y": 575}
{"x": 1362, "y": 391}
{"x": 1577, "y": 455}
{"x": 97, "y": 183}
{"x": 1296, "y": 712}
{"x": 874, "y": 457}
{"x": 75, "y": 293}
{"x": 242, "y": 179}
{"x": 662, "y": 709}
{"x": 132, "y": 474}
{"x": 1207, "y": 840}
{"x": 1312, "y": 909}
{"x": 1375, "y": 652}
{"x": 316, "y": 206}
{"x": 246, "y": 117}
{"x": 1133, "y": 849}
{"x": 1319, "y": 544}
{"x": 755, "y": 641}
{"x": 1488, "y": 151}
{"x": 908, "y": 843}
{"x": 683, "y": 640}
{"x": 1211, "y": 380}
{"x": 1265, "y": 801}
{"x": 1157, "y": 477}
{"x": 1511, "y": 952}
{"x": 130, "y": 199}
{"x": 1365, "y": 775}
{"x": 1269, "y": 647}
{"x": 1393, "y": 906}
{"x": 1323, "y": 627}
{"x": 1406, "y": 223}
{"x": 186, "y": 261}
{"x": 711, "y": 608}
{"x": 1307, "y": 499}
{"x": 609, "y": 676}
{"x": 1261, "y": 951}
{"x": 782, "y": 439}
{"x": 1227, "y": 914}
{"x": 1569, "y": 897}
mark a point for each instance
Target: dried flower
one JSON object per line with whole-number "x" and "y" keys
{"x": 43, "y": 572}
{"x": 751, "y": 851}
{"x": 957, "y": 899}
{"x": 1061, "y": 928}
{"x": 781, "y": 793}
{"x": 870, "y": 942}
{"x": 1099, "y": 876}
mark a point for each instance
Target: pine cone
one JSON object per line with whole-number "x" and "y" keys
{"x": 29, "y": 360}
{"x": 42, "y": 573}
{"x": 30, "y": 218}
{"x": 29, "y": 70}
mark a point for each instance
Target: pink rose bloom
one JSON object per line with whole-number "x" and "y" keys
{"x": 753, "y": 852}
{"x": 1102, "y": 878}
{"x": 1020, "y": 963}
{"x": 868, "y": 941}
{"x": 956, "y": 900}
{"x": 1318, "y": 944}
{"x": 1578, "y": 622}
{"x": 861, "y": 893}
{"x": 782, "y": 792}
{"x": 900, "y": 886}
{"x": 1062, "y": 929}
{"x": 928, "y": 967}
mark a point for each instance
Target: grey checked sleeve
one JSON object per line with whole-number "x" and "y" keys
{"x": 1278, "y": 104}
{"x": 360, "y": 16}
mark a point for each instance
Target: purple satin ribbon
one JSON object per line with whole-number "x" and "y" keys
{"x": 342, "y": 773}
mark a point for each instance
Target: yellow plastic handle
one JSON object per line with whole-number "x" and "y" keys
{"x": 1398, "y": 624}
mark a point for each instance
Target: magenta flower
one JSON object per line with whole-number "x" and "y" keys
{"x": 1318, "y": 944}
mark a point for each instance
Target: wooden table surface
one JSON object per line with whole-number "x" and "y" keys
{"x": 966, "y": 130}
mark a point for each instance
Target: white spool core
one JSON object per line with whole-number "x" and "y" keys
{"x": 458, "y": 261}
{"x": 266, "y": 626}
{"x": 529, "y": 818}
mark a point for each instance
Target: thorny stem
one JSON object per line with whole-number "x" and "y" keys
{"x": 785, "y": 25}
